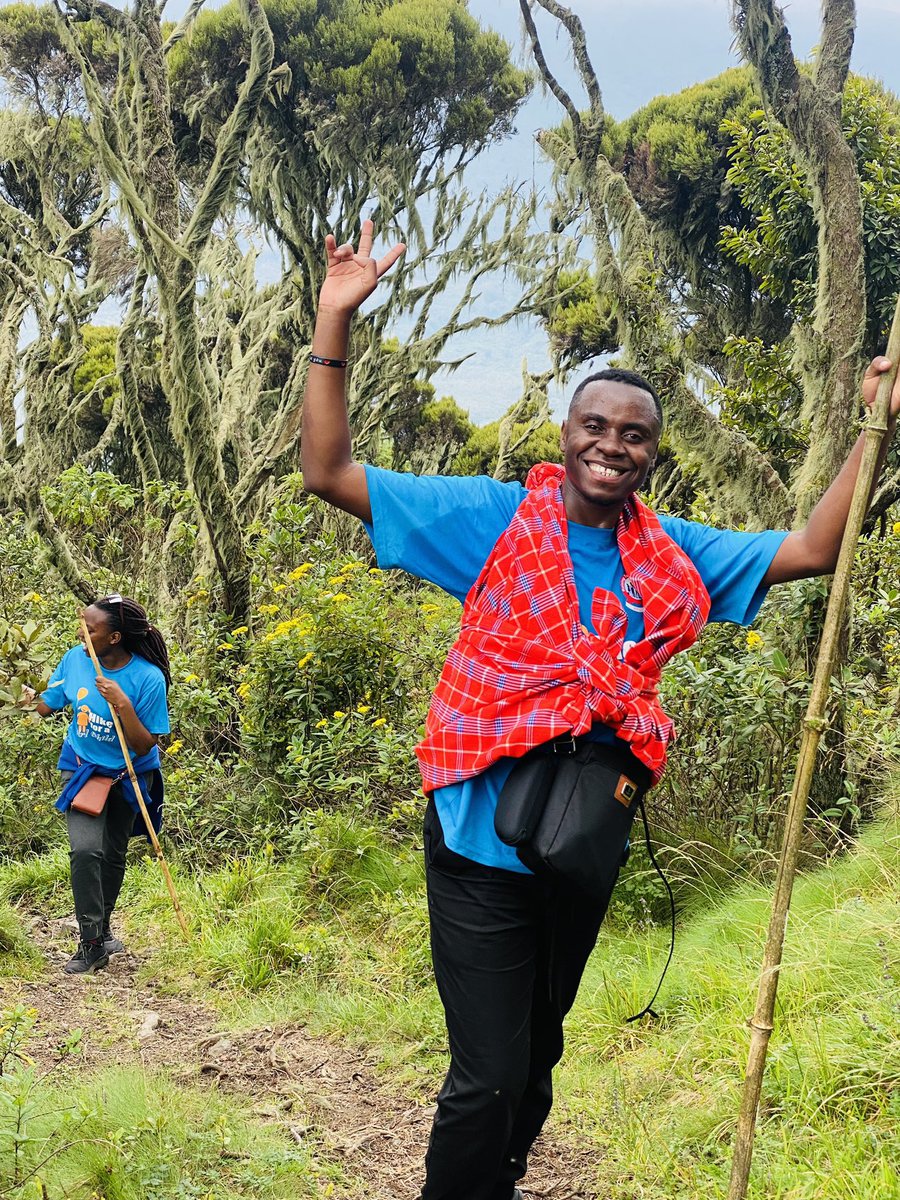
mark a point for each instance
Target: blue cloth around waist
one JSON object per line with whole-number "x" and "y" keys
{"x": 149, "y": 777}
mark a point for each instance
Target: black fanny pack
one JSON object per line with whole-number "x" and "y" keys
{"x": 568, "y": 806}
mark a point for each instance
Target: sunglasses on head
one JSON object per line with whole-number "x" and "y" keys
{"x": 115, "y": 598}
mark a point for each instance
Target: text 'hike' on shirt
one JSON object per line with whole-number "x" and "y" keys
{"x": 92, "y": 734}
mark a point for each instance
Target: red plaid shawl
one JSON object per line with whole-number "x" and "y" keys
{"x": 524, "y": 669}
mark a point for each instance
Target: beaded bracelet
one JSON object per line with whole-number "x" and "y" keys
{"x": 327, "y": 362}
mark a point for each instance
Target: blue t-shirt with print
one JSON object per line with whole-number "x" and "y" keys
{"x": 443, "y": 528}
{"x": 92, "y": 734}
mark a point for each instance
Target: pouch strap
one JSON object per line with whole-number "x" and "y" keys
{"x": 648, "y": 1011}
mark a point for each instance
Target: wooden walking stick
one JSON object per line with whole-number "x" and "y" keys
{"x": 813, "y": 727}
{"x": 151, "y": 832}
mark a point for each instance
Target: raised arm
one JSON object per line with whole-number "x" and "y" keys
{"x": 325, "y": 458}
{"x": 814, "y": 549}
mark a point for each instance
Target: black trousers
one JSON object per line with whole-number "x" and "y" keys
{"x": 509, "y": 951}
{"x": 97, "y": 849}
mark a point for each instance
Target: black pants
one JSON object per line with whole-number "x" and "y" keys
{"x": 97, "y": 850}
{"x": 509, "y": 951}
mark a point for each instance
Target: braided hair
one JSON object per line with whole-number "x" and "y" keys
{"x": 127, "y": 617}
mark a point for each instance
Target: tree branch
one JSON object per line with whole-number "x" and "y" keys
{"x": 835, "y": 48}
{"x": 549, "y": 78}
{"x": 232, "y": 136}
{"x": 575, "y": 30}
{"x": 183, "y": 27}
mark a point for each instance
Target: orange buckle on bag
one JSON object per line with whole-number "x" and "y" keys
{"x": 626, "y": 791}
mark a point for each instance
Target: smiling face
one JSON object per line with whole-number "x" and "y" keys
{"x": 609, "y": 443}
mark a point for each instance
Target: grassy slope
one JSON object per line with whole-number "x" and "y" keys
{"x": 337, "y": 936}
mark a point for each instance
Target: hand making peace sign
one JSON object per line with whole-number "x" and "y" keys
{"x": 353, "y": 275}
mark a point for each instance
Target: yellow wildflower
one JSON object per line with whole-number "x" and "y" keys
{"x": 376, "y": 724}
{"x": 240, "y": 629}
{"x": 243, "y": 690}
{"x": 375, "y": 571}
{"x": 192, "y": 678}
{"x": 321, "y": 724}
{"x": 34, "y": 598}
{"x": 175, "y": 746}
{"x": 299, "y": 572}
{"x": 352, "y": 566}
{"x": 225, "y": 646}
{"x": 267, "y": 610}
{"x": 896, "y": 527}
{"x": 429, "y": 608}
{"x": 307, "y": 658}
{"x": 364, "y": 708}
{"x": 340, "y": 598}
{"x": 337, "y": 580}
{"x": 280, "y": 587}
{"x": 339, "y": 714}
{"x": 754, "y": 640}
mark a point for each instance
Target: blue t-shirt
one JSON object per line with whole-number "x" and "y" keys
{"x": 443, "y": 528}
{"x": 92, "y": 734}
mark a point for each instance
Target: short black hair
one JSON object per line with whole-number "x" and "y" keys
{"x": 620, "y": 375}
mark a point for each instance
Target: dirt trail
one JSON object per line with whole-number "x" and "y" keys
{"x": 320, "y": 1092}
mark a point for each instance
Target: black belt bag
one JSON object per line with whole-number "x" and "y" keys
{"x": 568, "y": 807}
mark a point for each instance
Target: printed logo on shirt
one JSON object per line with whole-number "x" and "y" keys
{"x": 632, "y": 594}
{"x": 91, "y": 723}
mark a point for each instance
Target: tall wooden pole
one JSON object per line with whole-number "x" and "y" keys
{"x": 813, "y": 726}
{"x": 151, "y": 832}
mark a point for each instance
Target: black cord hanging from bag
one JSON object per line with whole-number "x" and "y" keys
{"x": 648, "y": 1010}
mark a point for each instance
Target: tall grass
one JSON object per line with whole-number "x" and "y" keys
{"x": 334, "y": 932}
{"x": 127, "y": 1134}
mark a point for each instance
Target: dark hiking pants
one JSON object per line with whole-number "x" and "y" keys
{"x": 97, "y": 849}
{"x": 509, "y": 951}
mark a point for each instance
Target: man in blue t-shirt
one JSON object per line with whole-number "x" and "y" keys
{"x": 508, "y": 947}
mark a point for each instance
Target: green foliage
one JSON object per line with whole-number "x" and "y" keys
{"x": 412, "y": 74}
{"x": 674, "y": 154}
{"x": 481, "y": 452}
{"x": 95, "y": 379}
{"x": 131, "y": 1135}
{"x": 26, "y": 654}
{"x": 39, "y": 881}
{"x": 779, "y": 244}
{"x": 123, "y": 528}
{"x": 764, "y": 400}
{"x": 18, "y": 956}
{"x": 827, "y": 1114}
{"x": 427, "y": 437}
{"x": 578, "y": 319}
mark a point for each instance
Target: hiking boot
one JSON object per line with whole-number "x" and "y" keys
{"x": 88, "y": 958}
{"x": 112, "y": 945}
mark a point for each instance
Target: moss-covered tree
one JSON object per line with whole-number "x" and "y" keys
{"x": 182, "y": 140}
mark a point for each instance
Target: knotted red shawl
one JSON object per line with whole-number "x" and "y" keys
{"x": 524, "y": 669}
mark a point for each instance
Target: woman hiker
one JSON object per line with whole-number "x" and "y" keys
{"x": 134, "y": 682}
{"x": 575, "y": 594}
